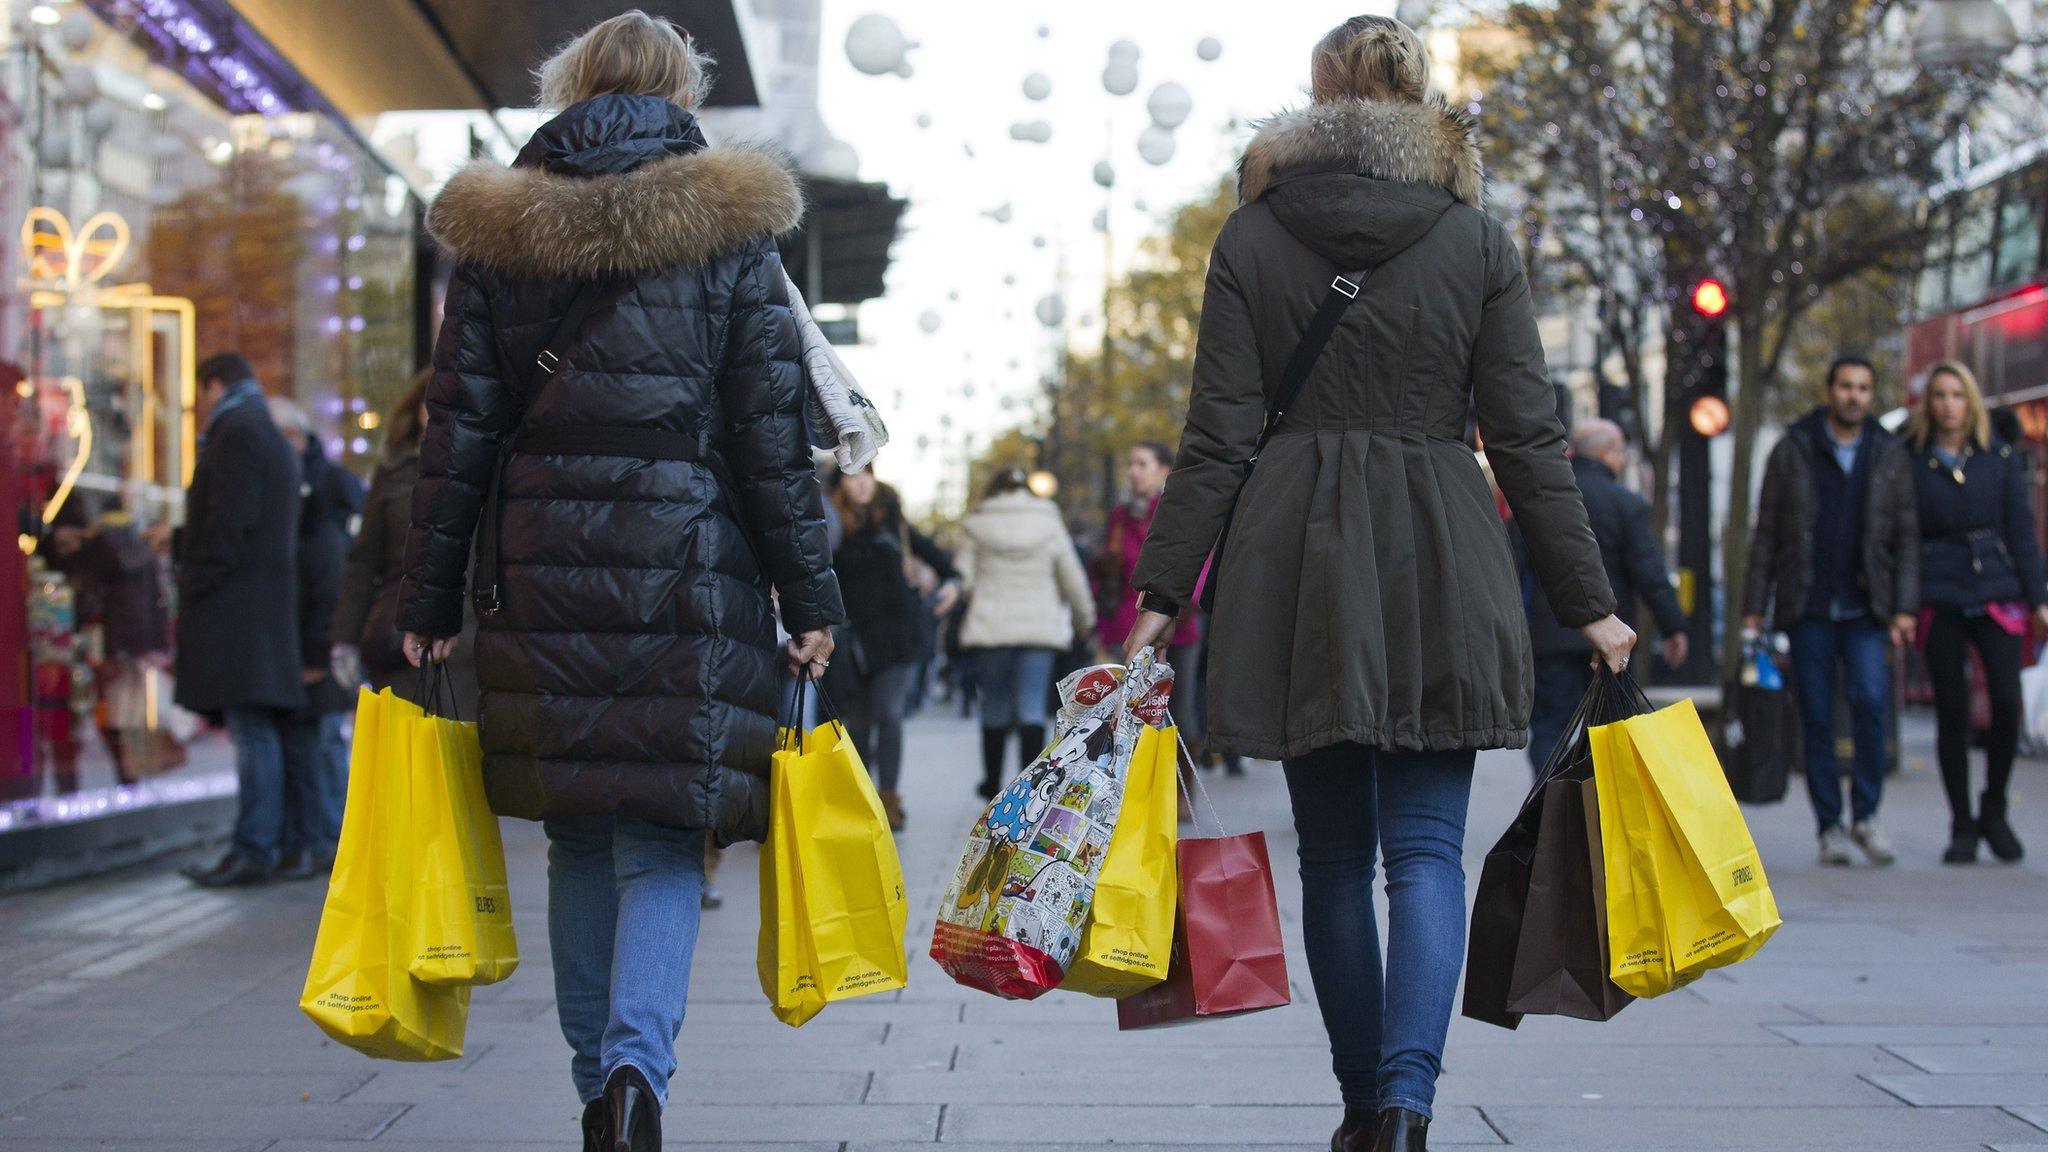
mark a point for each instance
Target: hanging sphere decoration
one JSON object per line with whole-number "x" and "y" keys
{"x": 1120, "y": 77}
{"x": 1050, "y": 310}
{"x": 80, "y": 85}
{"x": 1031, "y": 131}
{"x": 953, "y": 295}
{"x": 1169, "y": 105}
{"x": 1009, "y": 279}
{"x": 1044, "y": 31}
{"x": 1038, "y": 241}
{"x": 1101, "y": 221}
{"x": 905, "y": 69}
{"x": 875, "y": 45}
{"x": 924, "y": 119}
{"x": 1037, "y": 86}
{"x": 1208, "y": 48}
{"x": 76, "y": 30}
{"x": 1001, "y": 213}
{"x": 1104, "y": 174}
{"x": 1124, "y": 50}
{"x": 929, "y": 321}
{"x": 1155, "y": 145}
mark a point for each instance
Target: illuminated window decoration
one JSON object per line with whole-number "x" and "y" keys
{"x": 210, "y": 46}
{"x": 59, "y": 257}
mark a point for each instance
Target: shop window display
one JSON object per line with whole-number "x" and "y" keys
{"x": 150, "y": 221}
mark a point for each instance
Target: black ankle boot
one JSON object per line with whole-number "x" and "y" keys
{"x": 1962, "y": 842}
{"x": 1361, "y": 1126}
{"x": 596, "y": 1129}
{"x": 1998, "y": 834}
{"x": 632, "y": 1112}
{"x": 993, "y": 742}
{"x": 1402, "y": 1131}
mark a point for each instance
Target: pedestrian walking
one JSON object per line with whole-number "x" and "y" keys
{"x": 237, "y": 651}
{"x": 1980, "y": 577}
{"x": 1367, "y": 626}
{"x": 119, "y": 584}
{"x": 1635, "y": 571}
{"x": 618, "y": 370}
{"x": 1028, "y": 600}
{"x": 1146, "y": 470}
{"x": 367, "y": 640}
{"x": 889, "y": 625}
{"x": 1834, "y": 563}
{"x": 315, "y": 747}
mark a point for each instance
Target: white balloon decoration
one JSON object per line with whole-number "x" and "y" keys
{"x": 1101, "y": 220}
{"x": 1009, "y": 279}
{"x": 1033, "y": 131}
{"x": 80, "y": 85}
{"x": 1037, "y": 86}
{"x": 1124, "y": 50}
{"x": 1155, "y": 145}
{"x": 1001, "y": 213}
{"x": 924, "y": 119}
{"x": 905, "y": 69}
{"x": 1120, "y": 77}
{"x": 1104, "y": 174}
{"x": 929, "y": 321}
{"x": 1169, "y": 105}
{"x": 1038, "y": 241}
{"x": 1044, "y": 31}
{"x": 1208, "y": 48}
{"x": 1050, "y": 310}
{"x": 76, "y": 30}
{"x": 953, "y": 295}
{"x": 875, "y": 45}
{"x": 837, "y": 160}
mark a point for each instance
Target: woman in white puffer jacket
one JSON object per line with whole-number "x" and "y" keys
{"x": 1030, "y": 599}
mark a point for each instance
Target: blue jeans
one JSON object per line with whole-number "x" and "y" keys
{"x": 1013, "y": 684}
{"x": 1860, "y": 648}
{"x": 1386, "y": 1025}
{"x": 316, "y": 782}
{"x": 622, "y": 924}
{"x": 1561, "y": 682}
{"x": 259, "y": 783}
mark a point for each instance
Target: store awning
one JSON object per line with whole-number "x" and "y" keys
{"x": 372, "y": 56}
{"x": 842, "y": 252}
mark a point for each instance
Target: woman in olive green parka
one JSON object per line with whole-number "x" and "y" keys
{"x": 1369, "y": 628}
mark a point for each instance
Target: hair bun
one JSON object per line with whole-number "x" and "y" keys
{"x": 1370, "y": 58}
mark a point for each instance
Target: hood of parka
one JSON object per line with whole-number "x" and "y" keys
{"x": 613, "y": 186}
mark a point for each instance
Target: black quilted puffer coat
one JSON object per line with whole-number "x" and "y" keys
{"x": 633, "y": 668}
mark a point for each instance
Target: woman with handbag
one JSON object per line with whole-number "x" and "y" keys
{"x": 617, "y": 421}
{"x": 367, "y": 640}
{"x": 891, "y": 628}
{"x": 1981, "y": 578}
{"x": 1029, "y": 600}
{"x": 1367, "y": 627}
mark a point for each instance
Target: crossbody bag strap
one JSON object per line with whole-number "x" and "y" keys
{"x": 529, "y": 383}
{"x": 1309, "y": 349}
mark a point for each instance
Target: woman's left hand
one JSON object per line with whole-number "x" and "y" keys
{"x": 949, "y": 595}
{"x": 1151, "y": 629}
{"x": 418, "y": 648}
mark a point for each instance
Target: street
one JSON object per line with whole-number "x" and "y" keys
{"x": 1898, "y": 1009}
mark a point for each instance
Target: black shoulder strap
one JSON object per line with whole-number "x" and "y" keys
{"x": 484, "y": 579}
{"x": 1343, "y": 290}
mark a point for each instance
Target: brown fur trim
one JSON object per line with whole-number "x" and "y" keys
{"x": 678, "y": 210}
{"x": 1428, "y": 142}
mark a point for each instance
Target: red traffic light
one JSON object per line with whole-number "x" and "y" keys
{"x": 1709, "y": 416}
{"x": 1710, "y": 298}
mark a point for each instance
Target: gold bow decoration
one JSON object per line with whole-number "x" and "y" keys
{"x": 65, "y": 260}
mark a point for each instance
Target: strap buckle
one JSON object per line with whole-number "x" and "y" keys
{"x": 1345, "y": 286}
{"x": 548, "y": 361}
{"x": 487, "y": 602}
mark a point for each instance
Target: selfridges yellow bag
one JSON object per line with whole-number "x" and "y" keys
{"x": 829, "y": 836}
{"x": 1129, "y": 935}
{"x": 357, "y": 988}
{"x": 461, "y": 919}
{"x": 1686, "y": 890}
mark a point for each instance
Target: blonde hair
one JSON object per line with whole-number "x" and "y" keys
{"x": 1369, "y": 58}
{"x": 633, "y": 54}
{"x": 1976, "y": 418}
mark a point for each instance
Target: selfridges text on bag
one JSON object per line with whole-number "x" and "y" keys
{"x": 1012, "y": 918}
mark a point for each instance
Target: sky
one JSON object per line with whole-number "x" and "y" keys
{"x": 949, "y": 387}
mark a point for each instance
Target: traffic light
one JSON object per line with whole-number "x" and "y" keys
{"x": 1700, "y": 344}
{"x": 1696, "y": 358}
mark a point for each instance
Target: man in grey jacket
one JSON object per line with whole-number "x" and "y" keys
{"x": 1835, "y": 562}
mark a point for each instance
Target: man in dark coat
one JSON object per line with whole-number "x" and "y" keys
{"x": 238, "y": 603}
{"x": 1635, "y": 569}
{"x": 1835, "y": 562}
{"x": 315, "y": 752}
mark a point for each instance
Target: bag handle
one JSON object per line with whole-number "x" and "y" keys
{"x": 487, "y": 597}
{"x": 434, "y": 682}
{"x": 1612, "y": 696}
{"x": 793, "y": 718}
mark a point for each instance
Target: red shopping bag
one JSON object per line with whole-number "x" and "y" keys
{"x": 1227, "y": 957}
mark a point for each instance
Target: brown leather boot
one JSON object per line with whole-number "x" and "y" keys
{"x": 892, "y": 805}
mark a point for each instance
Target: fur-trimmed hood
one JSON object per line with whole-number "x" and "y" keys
{"x": 1426, "y": 143}
{"x": 613, "y": 186}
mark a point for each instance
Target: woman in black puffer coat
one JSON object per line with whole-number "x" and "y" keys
{"x": 1981, "y": 576}
{"x": 658, "y": 482}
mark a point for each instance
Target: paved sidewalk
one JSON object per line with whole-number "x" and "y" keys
{"x": 1898, "y": 1009}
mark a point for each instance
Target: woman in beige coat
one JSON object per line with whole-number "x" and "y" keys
{"x": 1030, "y": 599}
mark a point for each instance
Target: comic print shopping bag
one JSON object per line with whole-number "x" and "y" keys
{"x": 461, "y": 921}
{"x": 1128, "y": 938}
{"x": 357, "y": 988}
{"x": 833, "y": 910}
{"x": 1012, "y": 917}
{"x": 1227, "y": 953}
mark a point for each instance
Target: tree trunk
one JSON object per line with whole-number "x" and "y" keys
{"x": 1752, "y": 407}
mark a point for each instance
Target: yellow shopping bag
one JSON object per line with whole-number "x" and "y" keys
{"x": 461, "y": 921}
{"x": 357, "y": 988}
{"x": 1686, "y": 891}
{"x": 832, "y": 874}
{"x": 1129, "y": 935}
